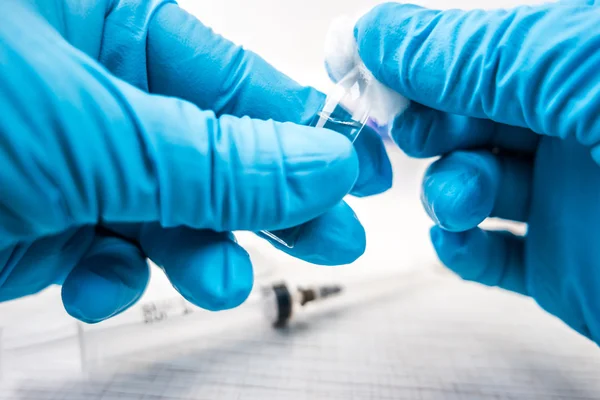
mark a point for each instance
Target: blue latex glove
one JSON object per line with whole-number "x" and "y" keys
{"x": 510, "y": 100}
{"x": 121, "y": 140}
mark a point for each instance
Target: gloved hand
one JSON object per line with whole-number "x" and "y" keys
{"x": 121, "y": 138}
{"x": 510, "y": 100}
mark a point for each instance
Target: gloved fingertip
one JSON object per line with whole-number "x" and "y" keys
{"x": 452, "y": 201}
{"x": 446, "y": 242}
{"x": 451, "y": 247}
{"x": 219, "y": 277}
{"x": 341, "y": 235}
{"x": 229, "y": 289}
{"x": 92, "y": 298}
{"x": 436, "y": 235}
{"x": 456, "y": 195}
{"x": 316, "y": 161}
{"x": 76, "y": 297}
{"x": 345, "y": 244}
{"x": 379, "y": 185}
{"x": 335, "y": 238}
{"x": 111, "y": 277}
{"x": 376, "y": 174}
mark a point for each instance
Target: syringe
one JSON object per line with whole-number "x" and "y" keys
{"x": 281, "y": 301}
{"x": 276, "y": 302}
{"x": 165, "y": 323}
{"x": 153, "y": 329}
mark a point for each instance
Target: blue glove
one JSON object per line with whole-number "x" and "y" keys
{"x": 510, "y": 100}
{"x": 126, "y": 134}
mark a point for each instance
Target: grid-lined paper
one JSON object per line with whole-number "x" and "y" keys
{"x": 441, "y": 340}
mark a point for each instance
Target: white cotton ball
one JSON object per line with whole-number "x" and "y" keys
{"x": 341, "y": 51}
{"x": 342, "y": 57}
{"x": 385, "y": 104}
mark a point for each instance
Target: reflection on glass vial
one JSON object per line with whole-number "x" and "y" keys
{"x": 345, "y": 111}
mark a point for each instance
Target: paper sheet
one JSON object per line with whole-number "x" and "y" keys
{"x": 432, "y": 338}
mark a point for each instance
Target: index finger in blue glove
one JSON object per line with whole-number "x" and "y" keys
{"x": 532, "y": 67}
{"x": 186, "y": 59}
{"x": 424, "y": 132}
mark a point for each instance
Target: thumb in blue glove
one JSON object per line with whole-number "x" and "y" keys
{"x": 509, "y": 100}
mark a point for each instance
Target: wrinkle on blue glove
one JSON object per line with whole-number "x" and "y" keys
{"x": 487, "y": 81}
{"x": 208, "y": 268}
{"x": 124, "y": 39}
{"x": 464, "y": 188}
{"x": 475, "y": 63}
{"x": 71, "y": 18}
{"x": 108, "y": 279}
{"x": 98, "y": 150}
{"x": 189, "y": 60}
{"x": 28, "y": 268}
{"x": 459, "y": 195}
{"x": 186, "y": 59}
{"x": 490, "y": 258}
{"x": 424, "y": 132}
{"x": 376, "y": 175}
{"x": 152, "y": 142}
{"x": 335, "y": 238}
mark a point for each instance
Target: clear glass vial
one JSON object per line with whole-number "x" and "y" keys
{"x": 345, "y": 110}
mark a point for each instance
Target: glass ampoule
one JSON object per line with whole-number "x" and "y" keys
{"x": 345, "y": 110}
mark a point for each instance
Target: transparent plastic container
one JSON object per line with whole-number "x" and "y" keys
{"x": 346, "y": 110}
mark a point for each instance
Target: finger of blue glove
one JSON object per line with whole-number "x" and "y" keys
{"x": 488, "y": 257}
{"x": 464, "y": 188}
{"x": 376, "y": 173}
{"x": 242, "y": 174}
{"x": 209, "y": 269}
{"x": 497, "y": 258}
{"x": 149, "y": 158}
{"x": 578, "y": 2}
{"x": 532, "y": 67}
{"x": 334, "y": 238}
{"x": 424, "y": 132}
{"x": 108, "y": 279}
{"x": 29, "y": 267}
{"x": 186, "y": 59}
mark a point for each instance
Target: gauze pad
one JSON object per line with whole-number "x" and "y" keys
{"x": 342, "y": 58}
